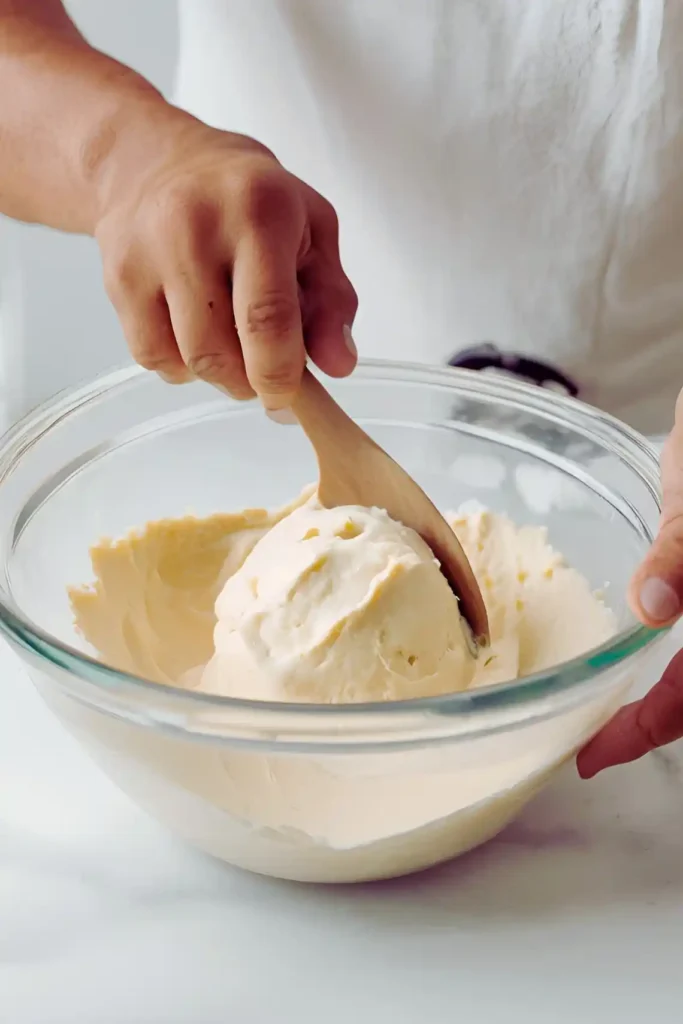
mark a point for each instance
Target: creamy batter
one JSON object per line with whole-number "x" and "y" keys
{"x": 337, "y": 606}
{"x": 329, "y": 606}
{"x": 332, "y": 606}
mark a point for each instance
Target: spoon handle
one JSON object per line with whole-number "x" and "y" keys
{"x": 318, "y": 414}
{"x": 354, "y": 470}
{"x": 340, "y": 445}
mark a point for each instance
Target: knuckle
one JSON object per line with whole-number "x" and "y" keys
{"x": 177, "y": 375}
{"x": 247, "y": 144}
{"x": 326, "y": 283}
{"x": 241, "y": 393}
{"x": 272, "y": 313}
{"x": 648, "y": 728}
{"x": 150, "y": 358}
{"x": 244, "y": 393}
{"x": 121, "y": 275}
{"x": 278, "y": 380}
{"x": 215, "y": 366}
{"x": 329, "y": 217}
{"x": 341, "y": 295}
{"x": 349, "y": 298}
{"x": 175, "y": 199}
{"x": 265, "y": 197}
{"x": 175, "y": 216}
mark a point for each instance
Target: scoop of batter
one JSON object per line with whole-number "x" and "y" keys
{"x": 335, "y": 606}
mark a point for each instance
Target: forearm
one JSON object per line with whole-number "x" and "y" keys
{"x": 64, "y": 108}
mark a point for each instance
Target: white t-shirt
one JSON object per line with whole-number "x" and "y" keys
{"x": 504, "y": 170}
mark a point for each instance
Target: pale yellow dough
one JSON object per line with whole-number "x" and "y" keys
{"x": 374, "y": 618}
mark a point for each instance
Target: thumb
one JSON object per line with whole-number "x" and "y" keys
{"x": 656, "y": 591}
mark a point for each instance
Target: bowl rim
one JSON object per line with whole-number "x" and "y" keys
{"x": 169, "y": 701}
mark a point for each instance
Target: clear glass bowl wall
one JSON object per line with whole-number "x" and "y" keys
{"x": 381, "y": 790}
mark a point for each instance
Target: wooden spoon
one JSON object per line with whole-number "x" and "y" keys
{"x": 356, "y": 471}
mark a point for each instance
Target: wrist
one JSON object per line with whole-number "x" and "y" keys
{"x": 130, "y": 139}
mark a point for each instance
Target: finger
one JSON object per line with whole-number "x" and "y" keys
{"x": 330, "y": 302}
{"x": 329, "y": 308}
{"x": 268, "y": 315}
{"x": 656, "y": 591}
{"x": 639, "y": 727}
{"x": 203, "y": 323}
{"x": 134, "y": 291}
{"x": 147, "y": 326}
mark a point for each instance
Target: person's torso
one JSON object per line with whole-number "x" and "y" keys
{"x": 503, "y": 170}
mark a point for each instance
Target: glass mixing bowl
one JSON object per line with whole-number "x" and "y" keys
{"x": 333, "y": 793}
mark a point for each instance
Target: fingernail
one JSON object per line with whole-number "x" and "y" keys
{"x": 283, "y": 416}
{"x": 659, "y": 600}
{"x": 350, "y": 343}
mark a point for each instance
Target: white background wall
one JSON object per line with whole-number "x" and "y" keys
{"x": 56, "y": 324}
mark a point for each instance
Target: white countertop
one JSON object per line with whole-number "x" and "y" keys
{"x": 575, "y": 914}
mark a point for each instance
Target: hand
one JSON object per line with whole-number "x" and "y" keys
{"x": 219, "y": 262}
{"x": 656, "y": 596}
